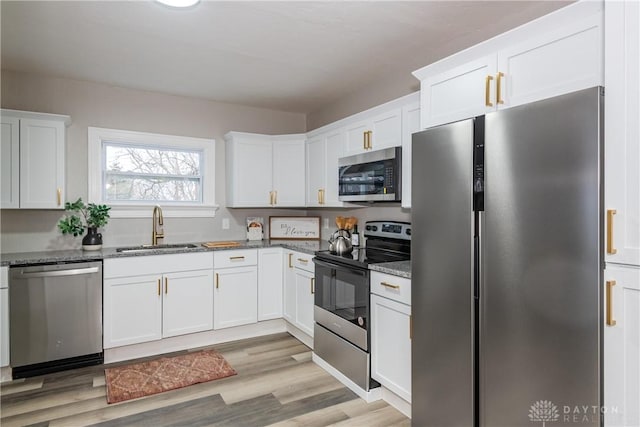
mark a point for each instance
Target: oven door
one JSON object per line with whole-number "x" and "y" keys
{"x": 342, "y": 301}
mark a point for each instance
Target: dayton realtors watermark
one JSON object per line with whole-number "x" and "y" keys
{"x": 545, "y": 411}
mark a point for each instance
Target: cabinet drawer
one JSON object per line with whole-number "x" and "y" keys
{"x": 303, "y": 261}
{"x": 154, "y": 264}
{"x": 393, "y": 287}
{"x": 235, "y": 258}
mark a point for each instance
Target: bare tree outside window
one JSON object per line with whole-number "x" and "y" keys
{"x": 134, "y": 173}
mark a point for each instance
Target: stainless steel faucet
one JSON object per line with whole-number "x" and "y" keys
{"x": 157, "y": 221}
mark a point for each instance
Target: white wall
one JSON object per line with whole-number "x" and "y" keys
{"x": 92, "y": 104}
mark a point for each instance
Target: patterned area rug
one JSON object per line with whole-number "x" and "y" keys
{"x": 167, "y": 373}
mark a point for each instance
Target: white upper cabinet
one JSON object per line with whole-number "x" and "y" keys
{"x": 289, "y": 172}
{"x": 555, "y": 54}
{"x": 264, "y": 170}
{"x": 10, "y": 163}
{"x": 410, "y": 125}
{"x": 387, "y": 125}
{"x": 33, "y": 160}
{"x": 622, "y": 131}
{"x": 458, "y": 93}
{"x": 323, "y": 151}
{"x": 563, "y": 60}
{"x": 375, "y": 133}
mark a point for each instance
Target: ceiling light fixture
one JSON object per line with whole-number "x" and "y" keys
{"x": 179, "y": 3}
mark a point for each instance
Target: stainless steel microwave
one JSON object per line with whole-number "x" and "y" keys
{"x": 371, "y": 176}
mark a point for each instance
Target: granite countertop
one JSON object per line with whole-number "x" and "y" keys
{"x": 21, "y": 258}
{"x": 397, "y": 268}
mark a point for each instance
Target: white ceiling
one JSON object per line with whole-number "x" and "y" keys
{"x": 290, "y": 56}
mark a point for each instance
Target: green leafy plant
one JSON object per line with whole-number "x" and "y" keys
{"x": 94, "y": 216}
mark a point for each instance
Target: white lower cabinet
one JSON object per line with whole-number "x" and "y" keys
{"x": 236, "y": 288}
{"x": 4, "y": 316}
{"x": 622, "y": 346}
{"x": 153, "y": 297}
{"x": 270, "y": 276}
{"x": 289, "y": 287}
{"x": 187, "y": 302}
{"x": 391, "y": 333}
{"x": 299, "y": 289}
{"x": 305, "y": 289}
{"x": 132, "y": 310}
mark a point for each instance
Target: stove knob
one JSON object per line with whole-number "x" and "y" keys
{"x": 408, "y": 231}
{"x": 374, "y": 228}
{"x": 368, "y": 228}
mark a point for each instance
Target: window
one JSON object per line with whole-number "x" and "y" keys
{"x": 144, "y": 174}
{"x": 132, "y": 171}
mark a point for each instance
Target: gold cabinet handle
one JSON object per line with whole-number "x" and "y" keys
{"x": 499, "y": 77}
{"x": 369, "y": 135}
{"x": 290, "y": 257}
{"x": 302, "y": 260}
{"x": 364, "y": 140}
{"x": 166, "y": 285}
{"x": 159, "y": 293}
{"x": 313, "y": 285}
{"x": 275, "y": 197}
{"x": 610, "y": 320}
{"x": 487, "y": 92}
{"x": 389, "y": 285}
{"x": 59, "y": 192}
{"x": 610, "y": 249}
{"x": 217, "y": 281}
{"x": 319, "y": 196}
{"x": 236, "y": 258}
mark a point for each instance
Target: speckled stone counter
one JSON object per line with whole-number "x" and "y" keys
{"x": 22, "y": 258}
{"x": 397, "y": 268}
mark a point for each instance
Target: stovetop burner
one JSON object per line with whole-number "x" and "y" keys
{"x": 386, "y": 241}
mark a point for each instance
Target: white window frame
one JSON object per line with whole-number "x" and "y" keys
{"x": 126, "y": 209}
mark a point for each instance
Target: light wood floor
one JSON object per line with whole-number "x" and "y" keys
{"x": 277, "y": 384}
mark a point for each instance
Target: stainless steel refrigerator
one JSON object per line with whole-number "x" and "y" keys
{"x": 507, "y": 267}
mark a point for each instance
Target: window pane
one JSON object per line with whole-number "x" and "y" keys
{"x": 151, "y": 174}
{"x": 122, "y": 158}
{"x": 141, "y": 188}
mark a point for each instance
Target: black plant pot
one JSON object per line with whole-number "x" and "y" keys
{"x": 93, "y": 240}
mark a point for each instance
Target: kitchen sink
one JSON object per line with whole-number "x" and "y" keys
{"x": 151, "y": 248}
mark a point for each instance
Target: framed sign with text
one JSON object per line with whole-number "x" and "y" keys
{"x": 294, "y": 227}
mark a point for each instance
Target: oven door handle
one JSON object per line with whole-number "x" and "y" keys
{"x": 337, "y": 267}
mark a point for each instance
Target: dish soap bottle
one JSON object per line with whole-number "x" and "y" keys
{"x": 355, "y": 237}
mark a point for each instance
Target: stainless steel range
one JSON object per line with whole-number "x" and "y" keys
{"x": 341, "y": 331}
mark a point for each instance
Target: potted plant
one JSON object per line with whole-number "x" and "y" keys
{"x": 93, "y": 217}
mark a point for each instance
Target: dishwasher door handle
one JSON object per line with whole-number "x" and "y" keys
{"x": 58, "y": 273}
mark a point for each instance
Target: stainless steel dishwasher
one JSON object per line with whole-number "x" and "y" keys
{"x": 55, "y": 315}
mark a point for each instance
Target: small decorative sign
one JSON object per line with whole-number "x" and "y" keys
{"x": 294, "y": 227}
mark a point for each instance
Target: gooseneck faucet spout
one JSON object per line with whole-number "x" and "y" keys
{"x": 157, "y": 221}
